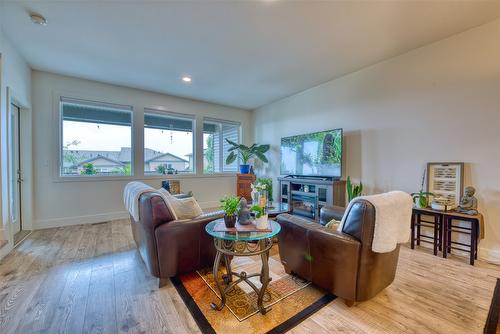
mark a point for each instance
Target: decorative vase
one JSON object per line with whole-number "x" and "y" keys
{"x": 262, "y": 222}
{"x": 255, "y": 197}
{"x": 262, "y": 199}
{"x": 244, "y": 169}
{"x": 230, "y": 221}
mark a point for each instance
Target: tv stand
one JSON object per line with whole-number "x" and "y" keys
{"x": 307, "y": 195}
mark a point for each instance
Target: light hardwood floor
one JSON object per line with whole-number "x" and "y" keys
{"x": 90, "y": 278}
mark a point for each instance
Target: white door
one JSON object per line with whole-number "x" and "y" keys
{"x": 15, "y": 171}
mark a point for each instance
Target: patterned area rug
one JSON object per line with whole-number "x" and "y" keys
{"x": 290, "y": 299}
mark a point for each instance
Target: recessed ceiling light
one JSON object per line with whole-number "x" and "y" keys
{"x": 38, "y": 19}
{"x": 186, "y": 78}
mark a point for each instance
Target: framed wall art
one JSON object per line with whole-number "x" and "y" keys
{"x": 445, "y": 181}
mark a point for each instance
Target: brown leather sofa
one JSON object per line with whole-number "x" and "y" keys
{"x": 342, "y": 263}
{"x": 170, "y": 247}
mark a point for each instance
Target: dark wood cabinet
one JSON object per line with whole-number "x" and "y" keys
{"x": 244, "y": 185}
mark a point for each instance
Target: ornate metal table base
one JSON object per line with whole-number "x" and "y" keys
{"x": 227, "y": 248}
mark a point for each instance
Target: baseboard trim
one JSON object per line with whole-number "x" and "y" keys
{"x": 78, "y": 220}
{"x": 5, "y": 249}
{"x": 489, "y": 255}
{"x": 98, "y": 218}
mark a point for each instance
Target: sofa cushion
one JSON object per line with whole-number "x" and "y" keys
{"x": 184, "y": 208}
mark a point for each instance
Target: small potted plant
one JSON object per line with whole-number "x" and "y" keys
{"x": 421, "y": 198}
{"x": 246, "y": 153}
{"x": 230, "y": 205}
{"x": 261, "y": 218}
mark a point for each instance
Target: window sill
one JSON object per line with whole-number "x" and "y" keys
{"x": 62, "y": 179}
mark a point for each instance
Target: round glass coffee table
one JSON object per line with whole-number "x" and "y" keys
{"x": 241, "y": 244}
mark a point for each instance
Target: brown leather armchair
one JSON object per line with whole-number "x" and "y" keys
{"x": 169, "y": 247}
{"x": 342, "y": 263}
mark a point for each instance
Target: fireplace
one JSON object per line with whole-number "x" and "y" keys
{"x": 304, "y": 206}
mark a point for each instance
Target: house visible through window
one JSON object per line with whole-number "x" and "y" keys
{"x": 96, "y": 138}
{"x": 168, "y": 143}
{"x": 215, "y": 145}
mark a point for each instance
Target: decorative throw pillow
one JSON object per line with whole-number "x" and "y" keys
{"x": 333, "y": 224}
{"x": 184, "y": 208}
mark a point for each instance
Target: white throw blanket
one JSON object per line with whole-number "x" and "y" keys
{"x": 392, "y": 219}
{"x": 133, "y": 191}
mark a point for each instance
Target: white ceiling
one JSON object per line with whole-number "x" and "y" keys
{"x": 244, "y": 54}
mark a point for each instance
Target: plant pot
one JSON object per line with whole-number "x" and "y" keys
{"x": 244, "y": 169}
{"x": 230, "y": 221}
{"x": 420, "y": 205}
{"x": 262, "y": 223}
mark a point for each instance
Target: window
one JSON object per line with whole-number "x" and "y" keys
{"x": 96, "y": 138}
{"x": 215, "y": 145}
{"x": 168, "y": 143}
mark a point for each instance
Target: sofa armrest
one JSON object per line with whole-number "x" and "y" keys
{"x": 324, "y": 256}
{"x": 184, "y": 245}
{"x": 328, "y": 213}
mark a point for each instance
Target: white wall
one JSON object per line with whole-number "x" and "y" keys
{"x": 72, "y": 202}
{"x": 15, "y": 75}
{"x": 440, "y": 102}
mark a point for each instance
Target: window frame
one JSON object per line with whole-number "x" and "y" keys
{"x": 220, "y": 123}
{"x": 177, "y": 115}
{"x": 59, "y": 176}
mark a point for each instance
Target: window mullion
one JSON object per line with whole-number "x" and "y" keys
{"x": 221, "y": 148}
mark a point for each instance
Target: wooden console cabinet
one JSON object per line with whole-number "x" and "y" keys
{"x": 306, "y": 196}
{"x": 243, "y": 185}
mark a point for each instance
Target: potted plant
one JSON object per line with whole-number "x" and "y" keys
{"x": 353, "y": 190}
{"x": 261, "y": 218}
{"x": 246, "y": 153}
{"x": 421, "y": 198}
{"x": 230, "y": 205}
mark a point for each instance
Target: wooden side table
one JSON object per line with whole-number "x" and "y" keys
{"x": 437, "y": 225}
{"x": 474, "y": 232}
{"x": 443, "y": 228}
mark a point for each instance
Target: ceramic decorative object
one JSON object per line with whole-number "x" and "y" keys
{"x": 262, "y": 222}
{"x": 468, "y": 203}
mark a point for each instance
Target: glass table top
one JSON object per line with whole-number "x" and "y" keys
{"x": 242, "y": 236}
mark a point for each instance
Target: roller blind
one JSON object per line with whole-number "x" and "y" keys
{"x": 155, "y": 120}
{"x": 95, "y": 112}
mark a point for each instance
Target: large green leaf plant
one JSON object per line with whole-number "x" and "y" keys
{"x": 246, "y": 152}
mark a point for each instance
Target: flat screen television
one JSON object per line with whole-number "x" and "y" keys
{"x": 313, "y": 154}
